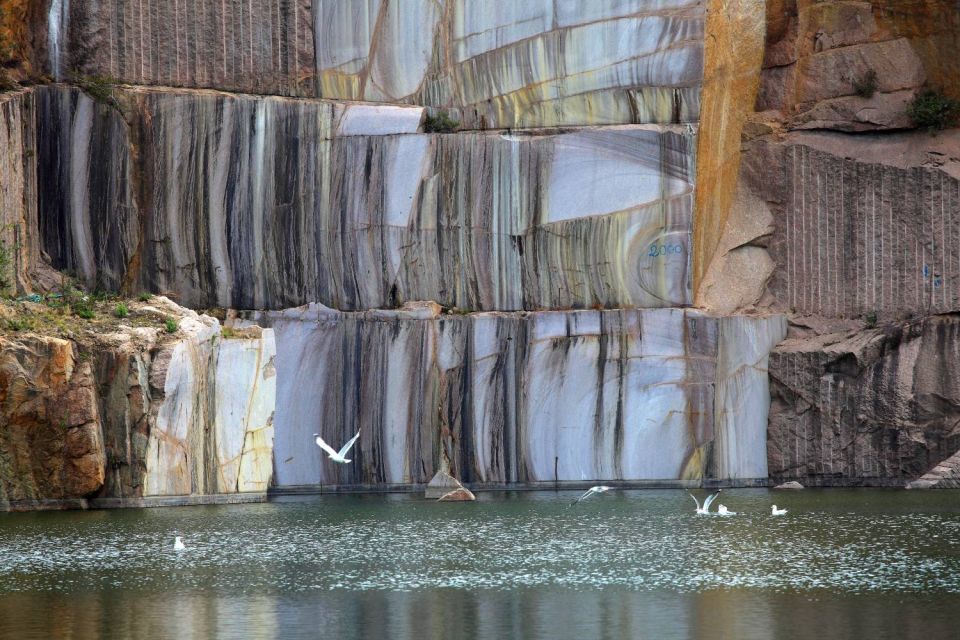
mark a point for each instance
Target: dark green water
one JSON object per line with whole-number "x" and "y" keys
{"x": 629, "y": 564}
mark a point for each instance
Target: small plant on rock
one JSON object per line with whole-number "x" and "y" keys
{"x": 933, "y": 111}
{"x": 171, "y": 325}
{"x": 870, "y": 319}
{"x": 867, "y": 84}
{"x": 121, "y": 310}
{"x": 144, "y": 297}
{"x": 100, "y": 88}
{"x": 440, "y": 123}
{"x": 19, "y": 324}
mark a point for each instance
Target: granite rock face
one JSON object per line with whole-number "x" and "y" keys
{"x": 874, "y": 407}
{"x": 259, "y": 46}
{"x": 250, "y": 203}
{"x": 136, "y": 413}
{"x": 51, "y": 444}
{"x": 18, "y": 191}
{"x": 853, "y": 65}
{"x": 644, "y": 394}
{"x": 866, "y": 226}
{"x": 501, "y": 64}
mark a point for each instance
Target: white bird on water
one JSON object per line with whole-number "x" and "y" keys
{"x": 591, "y": 491}
{"x": 723, "y": 511}
{"x": 178, "y": 544}
{"x": 337, "y": 456}
{"x": 705, "y": 509}
{"x": 777, "y": 512}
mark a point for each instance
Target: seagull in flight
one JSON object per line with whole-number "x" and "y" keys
{"x": 777, "y": 512}
{"x": 178, "y": 544}
{"x": 705, "y": 509}
{"x": 336, "y": 456}
{"x": 723, "y": 511}
{"x": 591, "y": 491}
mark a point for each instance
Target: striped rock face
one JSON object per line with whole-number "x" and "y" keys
{"x": 252, "y": 203}
{"x": 552, "y": 221}
{"x": 626, "y": 395}
{"x": 497, "y": 64}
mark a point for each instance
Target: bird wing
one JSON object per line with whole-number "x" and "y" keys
{"x": 349, "y": 444}
{"x": 695, "y": 500}
{"x": 323, "y": 445}
{"x": 709, "y": 500}
{"x": 586, "y": 494}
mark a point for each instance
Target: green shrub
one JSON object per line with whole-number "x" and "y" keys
{"x": 144, "y": 297}
{"x": 121, "y": 311}
{"x": 19, "y": 324}
{"x": 440, "y": 123}
{"x": 171, "y": 325}
{"x": 79, "y": 302}
{"x": 933, "y": 110}
{"x": 100, "y": 88}
{"x": 870, "y": 319}
{"x": 867, "y": 84}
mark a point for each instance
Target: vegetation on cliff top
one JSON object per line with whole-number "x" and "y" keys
{"x": 933, "y": 110}
{"x": 71, "y": 312}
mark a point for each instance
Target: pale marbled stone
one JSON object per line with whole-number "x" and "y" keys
{"x": 377, "y": 119}
{"x": 742, "y": 395}
{"x": 245, "y": 397}
{"x": 214, "y": 401}
{"x": 258, "y": 203}
{"x": 603, "y": 395}
{"x": 173, "y": 468}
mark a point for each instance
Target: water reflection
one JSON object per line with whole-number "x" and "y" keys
{"x": 634, "y": 564}
{"x": 453, "y": 613}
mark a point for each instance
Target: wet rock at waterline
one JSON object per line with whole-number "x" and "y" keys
{"x": 458, "y": 495}
{"x": 792, "y": 485}
{"x": 441, "y": 484}
{"x": 254, "y": 203}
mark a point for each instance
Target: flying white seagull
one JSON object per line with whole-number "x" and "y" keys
{"x": 777, "y": 512}
{"x": 723, "y": 511}
{"x": 591, "y": 491}
{"x": 705, "y": 509}
{"x": 336, "y": 456}
{"x": 178, "y": 544}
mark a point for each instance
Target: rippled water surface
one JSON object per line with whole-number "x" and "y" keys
{"x": 628, "y": 564}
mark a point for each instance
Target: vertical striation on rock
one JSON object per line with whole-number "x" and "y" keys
{"x": 876, "y": 233}
{"x": 252, "y": 203}
{"x": 875, "y": 407}
{"x": 530, "y": 64}
{"x": 584, "y": 395}
{"x": 258, "y": 46}
{"x": 18, "y": 191}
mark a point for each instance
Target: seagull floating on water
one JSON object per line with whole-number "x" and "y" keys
{"x": 777, "y": 512}
{"x": 336, "y": 456}
{"x": 723, "y": 511}
{"x": 705, "y": 509}
{"x": 591, "y": 491}
{"x": 178, "y": 544}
